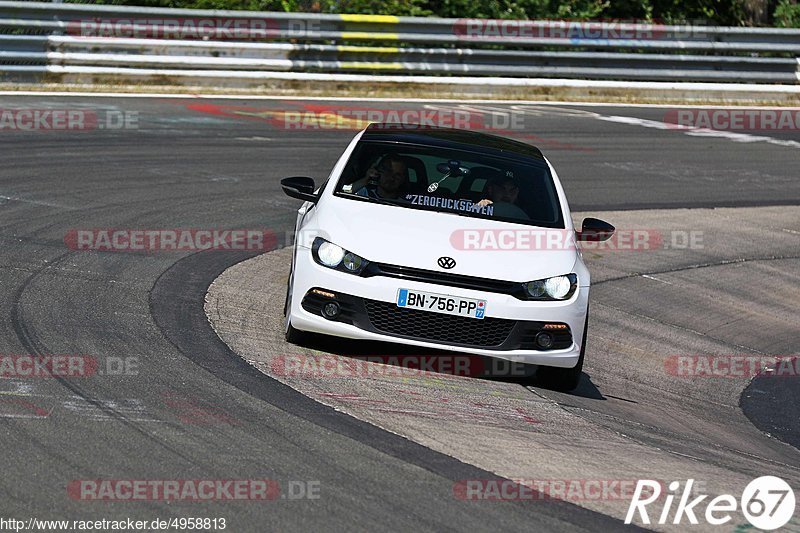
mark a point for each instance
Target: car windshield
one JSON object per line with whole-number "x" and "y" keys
{"x": 452, "y": 181}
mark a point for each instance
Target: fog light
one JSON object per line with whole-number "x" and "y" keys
{"x": 544, "y": 340}
{"x": 326, "y": 294}
{"x": 331, "y": 310}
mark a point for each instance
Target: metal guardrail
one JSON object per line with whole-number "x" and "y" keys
{"x": 40, "y": 38}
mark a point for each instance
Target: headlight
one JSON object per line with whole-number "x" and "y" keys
{"x": 333, "y": 256}
{"x": 555, "y": 288}
{"x": 352, "y": 262}
{"x": 535, "y": 289}
{"x": 329, "y": 254}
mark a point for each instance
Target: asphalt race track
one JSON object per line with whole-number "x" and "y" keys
{"x": 169, "y": 400}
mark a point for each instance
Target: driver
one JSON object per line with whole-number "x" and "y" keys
{"x": 392, "y": 179}
{"x": 503, "y": 192}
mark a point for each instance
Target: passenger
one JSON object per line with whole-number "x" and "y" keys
{"x": 503, "y": 192}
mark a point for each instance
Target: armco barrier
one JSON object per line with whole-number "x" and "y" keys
{"x": 39, "y": 37}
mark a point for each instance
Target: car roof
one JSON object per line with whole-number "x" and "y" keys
{"x": 451, "y": 138}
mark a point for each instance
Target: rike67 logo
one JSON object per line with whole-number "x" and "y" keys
{"x": 767, "y": 502}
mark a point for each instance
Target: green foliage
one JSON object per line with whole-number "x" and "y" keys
{"x": 255, "y": 5}
{"x": 516, "y": 9}
{"x": 713, "y": 12}
{"x": 787, "y": 14}
{"x": 372, "y": 7}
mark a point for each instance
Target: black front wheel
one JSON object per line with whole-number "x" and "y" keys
{"x": 286, "y": 300}
{"x": 292, "y": 335}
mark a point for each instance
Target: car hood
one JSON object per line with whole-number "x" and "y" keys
{"x": 418, "y": 238}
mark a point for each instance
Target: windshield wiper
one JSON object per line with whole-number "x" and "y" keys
{"x": 390, "y": 201}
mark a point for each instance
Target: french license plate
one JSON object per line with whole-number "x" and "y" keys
{"x": 441, "y": 303}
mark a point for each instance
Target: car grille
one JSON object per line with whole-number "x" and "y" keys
{"x": 515, "y": 289}
{"x": 389, "y": 318}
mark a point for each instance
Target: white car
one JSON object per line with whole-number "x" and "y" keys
{"x": 446, "y": 239}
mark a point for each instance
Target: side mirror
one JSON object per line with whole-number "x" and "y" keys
{"x": 594, "y": 229}
{"x": 300, "y": 187}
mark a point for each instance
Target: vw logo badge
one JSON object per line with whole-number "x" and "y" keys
{"x": 447, "y": 262}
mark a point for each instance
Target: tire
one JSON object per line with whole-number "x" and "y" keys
{"x": 286, "y": 300}
{"x": 564, "y": 379}
{"x": 292, "y": 335}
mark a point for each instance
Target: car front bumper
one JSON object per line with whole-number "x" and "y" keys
{"x": 368, "y": 312}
